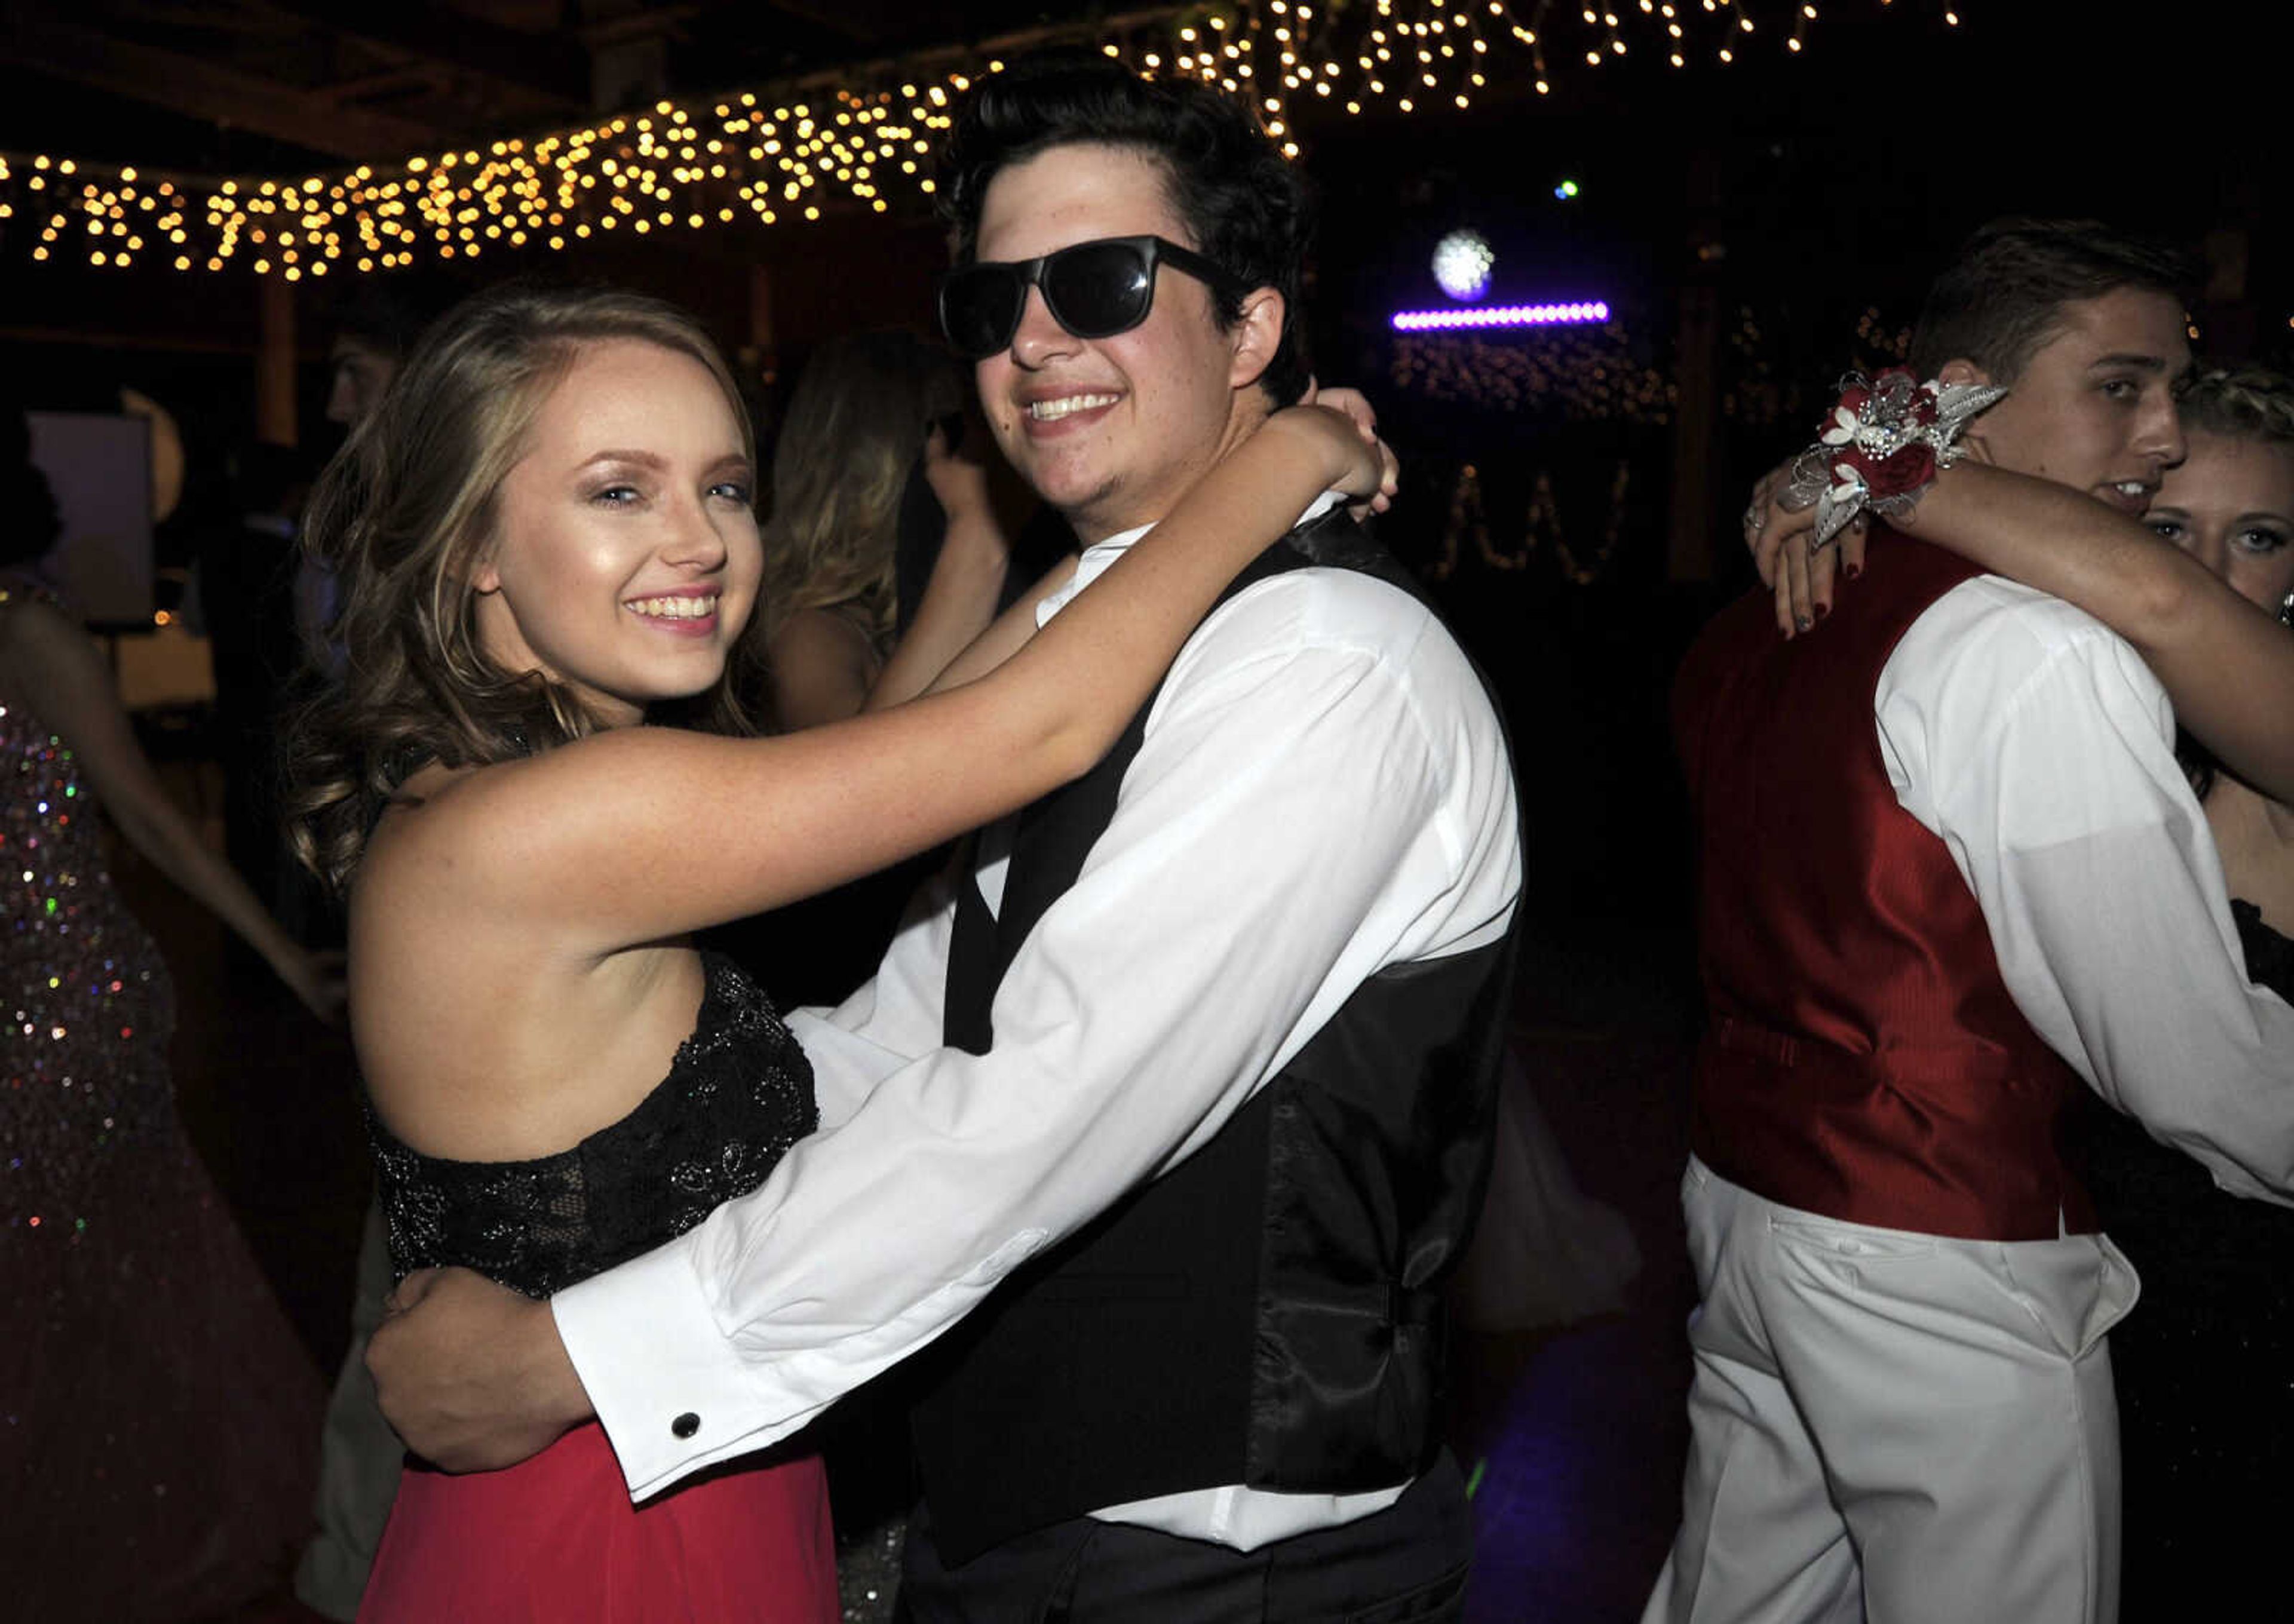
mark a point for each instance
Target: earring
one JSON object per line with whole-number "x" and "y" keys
{"x": 2286, "y": 610}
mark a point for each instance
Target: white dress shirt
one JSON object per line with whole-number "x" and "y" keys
{"x": 2037, "y": 744}
{"x": 1322, "y": 791}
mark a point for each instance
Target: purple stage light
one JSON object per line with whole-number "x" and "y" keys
{"x": 1502, "y": 315}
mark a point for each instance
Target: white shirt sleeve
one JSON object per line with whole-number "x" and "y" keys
{"x": 1322, "y": 791}
{"x": 2039, "y": 747}
{"x": 891, "y": 1018}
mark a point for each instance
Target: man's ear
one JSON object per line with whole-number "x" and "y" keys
{"x": 1256, "y": 335}
{"x": 1963, "y": 371}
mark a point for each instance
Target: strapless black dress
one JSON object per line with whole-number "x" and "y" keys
{"x": 555, "y": 1537}
{"x": 2205, "y": 1364}
{"x": 737, "y": 1095}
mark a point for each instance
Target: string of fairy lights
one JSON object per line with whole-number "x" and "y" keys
{"x": 858, "y": 140}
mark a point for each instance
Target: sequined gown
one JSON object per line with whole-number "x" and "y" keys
{"x": 555, "y": 1537}
{"x": 158, "y": 1418}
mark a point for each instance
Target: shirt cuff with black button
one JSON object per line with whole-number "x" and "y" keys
{"x": 667, "y": 1384}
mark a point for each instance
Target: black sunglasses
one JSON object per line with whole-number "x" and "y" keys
{"x": 1093, "y": 289}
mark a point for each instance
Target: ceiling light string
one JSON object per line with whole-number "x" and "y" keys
{"x": 859, "y": 137}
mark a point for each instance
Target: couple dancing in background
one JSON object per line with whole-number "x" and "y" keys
{"x": 1257, "y": 944}
{"x": 1951, "y": 870}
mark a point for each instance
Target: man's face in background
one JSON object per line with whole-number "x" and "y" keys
{"x": 358, "y": 374}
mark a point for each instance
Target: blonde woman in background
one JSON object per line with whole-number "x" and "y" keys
{"x": 2204, "y": 1364}
{"x": 870, "y": 420}
{"x": 868, "y": 407}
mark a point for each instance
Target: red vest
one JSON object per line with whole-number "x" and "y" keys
{"x": 1862, "y": 1058}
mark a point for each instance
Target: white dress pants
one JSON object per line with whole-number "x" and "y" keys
{"x": 1894, "y": 1426}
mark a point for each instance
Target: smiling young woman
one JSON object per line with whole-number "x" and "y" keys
{"x": 625, "y": 559}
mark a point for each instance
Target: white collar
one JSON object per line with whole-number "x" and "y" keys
{"x": 1099, "y": 555}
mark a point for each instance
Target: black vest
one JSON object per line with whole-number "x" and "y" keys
{"x": 1268, "y": 1312}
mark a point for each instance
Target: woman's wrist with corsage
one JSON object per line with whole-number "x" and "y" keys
{"x": 1882, "y": 447}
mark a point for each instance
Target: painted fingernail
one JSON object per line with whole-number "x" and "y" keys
{"x": 1822, "y": 610}
{"x": 1803, "y": 622}
{"x": 1854, "y": 570}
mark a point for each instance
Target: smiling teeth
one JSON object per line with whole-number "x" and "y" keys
{"x": 2131, "y": 487}
{"x": 675, "y": 608}
{"x": 1046, "y": 411}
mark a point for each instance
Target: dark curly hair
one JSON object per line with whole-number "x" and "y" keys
{"x": 1246, "y": 207}
{"x": 2002, "y": 296}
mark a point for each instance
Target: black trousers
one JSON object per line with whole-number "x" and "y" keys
{"x": 1406, "y": 1565}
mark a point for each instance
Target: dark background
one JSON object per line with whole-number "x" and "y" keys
{"x": 1755, "y": 228}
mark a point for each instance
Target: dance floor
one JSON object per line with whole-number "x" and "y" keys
{"x": 1577, "y": 1431}
{"x": 1580, "y": 1431}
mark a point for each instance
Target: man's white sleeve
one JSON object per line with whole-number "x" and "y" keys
{"x": 2040, "y": 748}
{"x": 1306, "y": 809}
{"x": 890, "y": 1018}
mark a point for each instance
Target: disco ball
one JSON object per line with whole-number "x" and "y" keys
{"x": 1462, "y": 262}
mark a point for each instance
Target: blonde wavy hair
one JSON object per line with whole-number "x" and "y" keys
{"x": 2244, "y": 403}
{"x": 402, "y": 516}
{"x": 855, "y": 427}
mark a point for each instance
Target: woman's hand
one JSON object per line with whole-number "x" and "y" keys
{"x": 1779, "y": 531}
{"x": 958, "y": 613}
{"x": 959, "y": 481}
{"x": 1342, "y": 425}
{"x": 1779, "y": 534}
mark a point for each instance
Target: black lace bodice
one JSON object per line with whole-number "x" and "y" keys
{"x": 2206, "y": 1411}
{"x": 738, "y": 1094}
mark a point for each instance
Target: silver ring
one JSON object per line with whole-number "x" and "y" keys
{"x": 1754, "y": 518}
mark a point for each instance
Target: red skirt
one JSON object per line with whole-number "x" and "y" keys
{"x": 556, "y": 1539}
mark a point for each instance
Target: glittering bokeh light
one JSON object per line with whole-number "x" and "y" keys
{"x": 1462, "y": 263}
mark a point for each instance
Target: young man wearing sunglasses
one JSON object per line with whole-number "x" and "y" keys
{"x": 1188, "y": 1085}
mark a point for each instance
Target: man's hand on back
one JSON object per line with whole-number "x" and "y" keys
{"x": 471, "y": 1374}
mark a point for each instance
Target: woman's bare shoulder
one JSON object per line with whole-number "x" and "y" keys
{"x": 441, "y": 819}
{"x": 50, "y": 664}
{"x": 822, "y": 634}
{"x": 533, "y": 832}
{"x": 32, "y": 623}
{"x": 822, "y": 663}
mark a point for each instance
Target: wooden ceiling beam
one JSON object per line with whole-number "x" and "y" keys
{"x": 552, "y": 68}
{"x": 866, "y": 22}
{"x": 42, "y": 40}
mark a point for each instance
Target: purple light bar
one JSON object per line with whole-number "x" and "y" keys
{"x": 1502, "y": 315}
